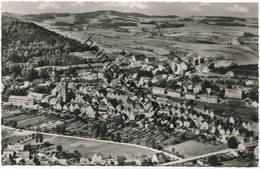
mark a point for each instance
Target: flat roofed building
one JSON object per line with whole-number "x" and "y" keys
{"x": 173, "y": 93}
{"x": 190, "y": 96}
{"x": 20, "y": 100}
{"x": 36, "y": 96}
{"x": 158, "y": 90}
{"x": 233, "y": 93}
{"x": 209, "y": 98}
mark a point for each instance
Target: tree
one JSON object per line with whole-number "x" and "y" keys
{"x": 213, "y": 161}
{"x": 44, "y": 74}
{"x": 118, "y": 137}
{"x": 36, "y": 161}
{"x": 40, "y": 138}
{"x": 30, "y": 74}
{"x": 232, "y": 143}
{"x": 196, "y": 79}
{"x": 121, "y": 160}
{"x": 253, "y": 94}
{"x": 59, "y": 148}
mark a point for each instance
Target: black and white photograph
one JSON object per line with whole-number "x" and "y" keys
{"x": 132, "y": 83}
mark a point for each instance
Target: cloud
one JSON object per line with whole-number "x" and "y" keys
{"x": 237, "y": 8}
{"x": 48, "y": 5}
{"x": 131, "y": 5}
{"x": 196, "y": 9}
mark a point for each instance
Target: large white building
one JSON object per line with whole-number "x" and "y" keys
{"x": 21, "y": 100}
{"x": 233, "y": 93}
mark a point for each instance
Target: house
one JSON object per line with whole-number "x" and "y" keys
{"x": 36, "y": 96}
{"x": 204, "y": 126}
{"x": 7, "y": 153}
{"x": 71, "y": 108}
{"x": 88, "y": 111}
{"x": 159, "y": 158}
{"x": 233, "y": 93}
{"x": 254, "y": 104}
{"x": 24, "y": 155}
{"x": 158, "y": 90}
{"x": 173, "y": 93}
{"x": 65, "y": 107}
{"x": 53, "y": 101}
{"x": 138, "y": 58}
{"x": 256, "y": 153}
{"x": 208, "y": 98}
{"x": 197, "y": 89}
{"x": 241, "y": 147}
{"x": 58, "y": 106}
{"x": 249, "y": 82}
{"x": 190, "y": 96}
{"x": 84, "y": 161}
{"x": 15, "y": 147}
{"x": 230, "y": 74}
{"x": 21, "y": 100}
{"x": 63, "y": 161}
{"x": 97, "y": 159}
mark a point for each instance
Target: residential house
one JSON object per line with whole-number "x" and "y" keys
{"x": 159, "y": 158}
{"x": 97, "y": 159}
{"x": 63, "y": 162}
{"x": 84, "y": 161}
{"x": 230, "y": 74}
{"x": 88, "y": 111}
{"x": 197, "y": 89}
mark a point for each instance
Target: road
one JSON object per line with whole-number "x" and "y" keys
{"x": 97, "y": 140}
{"x": 196, "y": 158}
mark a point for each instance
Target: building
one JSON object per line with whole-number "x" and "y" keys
{"x": 97, "y": 159}
{"x": 233, "y": 93}
{"x": 21, "y": 100}
{"x": 190, "y": 96}
{"x": 36, "y": 96}
{"x": 209, "y": 99}
{"x": 230, "y": 74}
{"x": 173, "y": 93}
{"x": 159, "y": 158}
{"x": 158, "y": 90}
{"x": 197, "y": 89}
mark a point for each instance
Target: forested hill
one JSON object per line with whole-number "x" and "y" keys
{"x": 24, "y": 42}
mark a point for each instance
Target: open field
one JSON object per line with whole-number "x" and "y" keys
{"x": 193, "y": 148}
{"x": 90, "y": 147}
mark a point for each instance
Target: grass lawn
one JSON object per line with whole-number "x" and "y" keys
{"x": 90, "y": 147}
{"x": 193, "y": 148}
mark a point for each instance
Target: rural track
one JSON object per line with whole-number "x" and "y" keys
{"x": 97, "y": 140}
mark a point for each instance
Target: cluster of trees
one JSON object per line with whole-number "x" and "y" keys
{"x": 24, "y": 42}
{"x": 245, "y": 70}
{"x": 110, "y": 24}
{"x": 171, "y": 25}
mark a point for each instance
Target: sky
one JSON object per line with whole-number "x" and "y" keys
{"x": 150, "y": 8}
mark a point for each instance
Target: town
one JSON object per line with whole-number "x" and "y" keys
{"x": 146, "y": 106}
